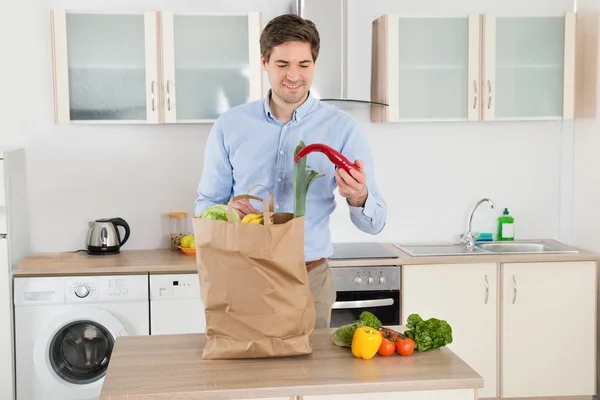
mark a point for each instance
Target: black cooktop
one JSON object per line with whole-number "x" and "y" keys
{"x": 352, "y": 251}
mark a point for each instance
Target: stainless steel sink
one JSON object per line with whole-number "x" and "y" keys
{"x": 520, "y": 247}
{"x": 438, "y": 249}
{"x": 483, "y": 248}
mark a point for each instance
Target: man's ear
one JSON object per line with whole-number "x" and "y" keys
{"x": 263, "y": 62}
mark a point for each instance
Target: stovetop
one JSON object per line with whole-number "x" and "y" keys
{"x": 353, "y": 251}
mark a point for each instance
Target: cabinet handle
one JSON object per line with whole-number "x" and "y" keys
{"x": 168, "y": 97}
{"x": 489, "y": 94}
{"x": 152, "y": 91}
{"x": 475, "y": 97}
{"x": 514, "y": 289}
{"x": 487, "y": 289}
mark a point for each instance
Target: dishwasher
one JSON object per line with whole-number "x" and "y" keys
{"x": 175, "y": 304}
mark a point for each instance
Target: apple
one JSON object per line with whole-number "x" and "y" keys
{"x": 187, "y": 241}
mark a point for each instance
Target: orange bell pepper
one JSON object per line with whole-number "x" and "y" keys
{"x": 366, "y": 342}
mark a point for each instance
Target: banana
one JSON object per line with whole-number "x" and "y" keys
{"x": 249, "y": 218}
{"x": 258, "y": 221}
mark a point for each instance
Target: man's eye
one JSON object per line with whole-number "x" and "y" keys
{"x": 304, "y": 66}
{"x": 282, "y": 65}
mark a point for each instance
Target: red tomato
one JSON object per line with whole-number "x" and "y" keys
{"x": 405, "y": 347}
{"x": 387, "y": 348}
{"x": 389, "y": 334}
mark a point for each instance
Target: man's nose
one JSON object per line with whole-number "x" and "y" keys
{"x": 293, "y": 73}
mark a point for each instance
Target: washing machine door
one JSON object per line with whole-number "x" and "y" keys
{"x": 71, "y": 353}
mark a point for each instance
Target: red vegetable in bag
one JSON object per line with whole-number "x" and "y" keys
{"x": 334, "y": 156}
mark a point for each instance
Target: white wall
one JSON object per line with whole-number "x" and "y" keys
{"x": 586, "y": 218}
{"x": 431, "y": 174}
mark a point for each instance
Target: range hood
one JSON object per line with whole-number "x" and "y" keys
{"x": 330, "y": 81}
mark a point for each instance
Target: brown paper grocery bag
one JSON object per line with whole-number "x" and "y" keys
{"x": 254, "y": 285}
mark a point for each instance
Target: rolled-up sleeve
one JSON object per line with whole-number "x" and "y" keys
{"x": 370, "y": 218}
{"x": 216, "y": 182}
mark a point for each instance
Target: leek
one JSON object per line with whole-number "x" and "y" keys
{"x": 303, "y": 178}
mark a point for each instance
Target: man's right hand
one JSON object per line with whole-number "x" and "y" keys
{"x": 243, "y": 208}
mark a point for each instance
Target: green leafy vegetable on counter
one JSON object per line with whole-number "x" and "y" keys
{"x": 343, "y": 335}
{"x": 428, "y": 334}
{"x": 219, "y": 212}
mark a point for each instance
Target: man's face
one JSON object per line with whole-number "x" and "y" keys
{"x": 290, "y": 70}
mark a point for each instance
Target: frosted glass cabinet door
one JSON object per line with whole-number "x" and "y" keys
{"x": 529, "y": 67}
{"x": 426, "y": 69}
{"x": 105, "y": 66}
{"x": 211, "y": 63}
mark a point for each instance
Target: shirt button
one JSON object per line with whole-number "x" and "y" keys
{"x": 278, "y": 179}
{"x": 285, "y": 127}
{"x": 281, "y": 152}
{"x": 276, "y": 205}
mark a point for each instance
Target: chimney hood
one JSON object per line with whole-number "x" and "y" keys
{"x": 330, "y": 81}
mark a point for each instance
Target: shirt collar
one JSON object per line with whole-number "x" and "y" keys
{"x": 299, "y": 113}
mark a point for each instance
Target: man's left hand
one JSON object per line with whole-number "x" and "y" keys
{"x": 352, "y": 186}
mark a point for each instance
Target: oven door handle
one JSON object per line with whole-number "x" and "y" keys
{"x": 362, "y": 303}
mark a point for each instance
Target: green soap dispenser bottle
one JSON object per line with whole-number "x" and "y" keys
{"x": 506, "y": 227}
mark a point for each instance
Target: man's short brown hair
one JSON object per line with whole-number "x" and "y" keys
{"x": 289, "y": 28}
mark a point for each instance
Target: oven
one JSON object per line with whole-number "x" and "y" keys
{"x": 373, "y": 288}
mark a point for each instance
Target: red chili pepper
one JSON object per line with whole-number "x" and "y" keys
{"x": 334, "y": 156}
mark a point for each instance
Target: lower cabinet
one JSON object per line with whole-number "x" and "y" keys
{"x": 548, "y": 329}
{"x": 455, "y": 394}
{"x": 465, "y": 295}
{"x": 528, "y": 328}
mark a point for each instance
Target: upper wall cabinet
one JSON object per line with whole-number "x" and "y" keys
{"x": 153, "y": 67}
{"x": 473, "y": 68}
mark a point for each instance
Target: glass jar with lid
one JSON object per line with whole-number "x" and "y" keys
{"x": 178, "y": 226}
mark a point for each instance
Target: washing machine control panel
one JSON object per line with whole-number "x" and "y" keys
{"x": 82, "y": 291}
{"x": 105, "y": 288}
{"x": 82, "y": 288}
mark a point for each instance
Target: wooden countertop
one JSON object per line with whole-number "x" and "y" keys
{"x": 175, "y": 262}
{"x": 170, "y": 366}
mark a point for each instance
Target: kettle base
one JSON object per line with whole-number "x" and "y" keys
{"x": 97, "y": 250}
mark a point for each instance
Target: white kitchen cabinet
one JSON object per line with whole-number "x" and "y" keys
{"x": 465, "y": 295}
{"x": 426, "y": 69}
{"x": 454, "y": 394}
{"x": 204, "y": 77}
{"x": 548, "y": 334}
{"x": 105, "y": 66}
{"x": 154, "y": 66}
{"x": 529, "y": 67}
{"x": 277, "y": 398}
{"x": 438, "y": 69}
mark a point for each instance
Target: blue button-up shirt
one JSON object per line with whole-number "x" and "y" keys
{"x": 248, "y": 146}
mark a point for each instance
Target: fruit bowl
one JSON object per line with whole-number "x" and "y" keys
{"x": 187, "y": 250}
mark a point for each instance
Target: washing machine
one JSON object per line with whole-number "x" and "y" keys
{"x": 175, "y": 304}
{"x": 65, "y": 330}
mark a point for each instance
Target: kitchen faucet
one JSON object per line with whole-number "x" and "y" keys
{"x": 470, "y": 237}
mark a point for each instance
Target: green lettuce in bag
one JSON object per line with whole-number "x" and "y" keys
{"x": 219, "y": 212}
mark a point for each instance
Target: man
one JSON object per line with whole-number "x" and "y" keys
{"x": 255, "y": 142}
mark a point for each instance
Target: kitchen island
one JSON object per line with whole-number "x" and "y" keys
{"x": 171, "y": 367}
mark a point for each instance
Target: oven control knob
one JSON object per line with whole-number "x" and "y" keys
{"x": 358, "y": 280}
{"x": 82, "y": 291}
{"x": 370, "y": 280}
{"x": 381, "y": 280}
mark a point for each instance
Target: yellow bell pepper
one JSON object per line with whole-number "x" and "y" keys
{"x": 366, "y": 342}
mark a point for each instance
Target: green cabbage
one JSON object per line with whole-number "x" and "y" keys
{"x": 219, "y": 212}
